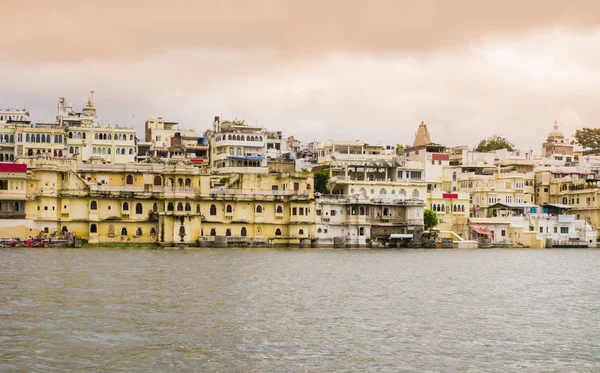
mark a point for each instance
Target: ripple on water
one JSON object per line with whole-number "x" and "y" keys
{"x": 299, "y": 310}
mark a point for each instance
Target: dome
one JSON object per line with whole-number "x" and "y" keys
{"x": 556, "y": 134}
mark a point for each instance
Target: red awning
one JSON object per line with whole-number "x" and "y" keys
{"x": 440, "y": 157}
{"x": 482, "y": 231}
{"x": 13, "y": 167}
{"x": 195, "y": 160}
{"x": 450, "y": 195}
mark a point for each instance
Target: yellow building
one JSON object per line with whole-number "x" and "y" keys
{"x": 166, "y": 203}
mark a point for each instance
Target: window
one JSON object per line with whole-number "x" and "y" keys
{"x": 94, "y": 205}
{"x": 213, "y": 210}
{"x": 503, "y": 233}
{"x": 138, "y": 208}
{"x": 93, "y": 228}
{"x": 129, "y": 180}
{"x": 279, "y": 210}
{"x": 170, "y": 206}
{"x": 125, "y": 206}
{"x": 300, "y": 232}
{"x": 124, "y": 231}
{"x": 361, "y": 231}
{"x": 138, "y": 232}
{"x": 197, "y": 208}
{"x": 213, "y": 232}
{"x": 278, "y": 232}
{"x": 179, "y": 206}
{"x": 564, "y": 230}
{"x": 228, "y": 232}
{"x": 301, "y": 211}
{"x": 188, "y": 206}
{"x": 541, "y": 229}
{"x": 243, "y": 232}
{"x": 333, "y": 212}
{"x": 152, "y": 232}
{"x": 294, "y": 211}
{"x": 229, "y": 209}
{"x": 318, "y": 212}
{"x": 259, "y": 209}
{"x": 555, "y": 229}
{"x": 415, "y": 194}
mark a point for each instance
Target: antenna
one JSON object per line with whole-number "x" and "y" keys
{"x": 92, "y": 98}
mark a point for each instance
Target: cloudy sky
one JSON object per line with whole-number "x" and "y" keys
{"x": 346, "y": 70}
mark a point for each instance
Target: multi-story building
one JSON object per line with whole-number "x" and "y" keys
{"x": 357, "y": 220}
{"x": 14, "y": 180}
{"x": 557, "y": 144}
{"x": 237, "y": 148}
{"x": 88, "y": 140}
{"x": 165, "y": 203}
{"x": 275, "y": 143}
{"x": 159, "y": 134}
{"x": 353, "y": 151}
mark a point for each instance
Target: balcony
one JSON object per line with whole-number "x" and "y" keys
{"x": 258, "y": 192}
{"x": 240, "y": 143}
{"x": 118, "y": 189}
{"x": 12, "y": 214}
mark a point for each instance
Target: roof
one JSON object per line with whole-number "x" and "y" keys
{"x": 557, "y": 205}
{"x": 422, "y": 137}
{"x": 481, "y": 231}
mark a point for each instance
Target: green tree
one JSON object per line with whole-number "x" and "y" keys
{"x": 399, "y": 149}
{"x": 494, "y": 143}
{"x": 321, "y": 180}
{"x": 588, "y": 137}
{"x": 430, "y": 219}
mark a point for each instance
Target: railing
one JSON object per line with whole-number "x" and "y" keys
{"x": 258, "y": 192}
{"x": 12, "y": 214}
{"x": 110, "y": 188}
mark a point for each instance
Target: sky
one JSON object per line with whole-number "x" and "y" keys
{"x": 318, "y": 70}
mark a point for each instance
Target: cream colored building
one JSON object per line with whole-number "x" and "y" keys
{"x": 237, "y": 148}
{"x": 165, "y": 203}
{"x": 338, "y": 152}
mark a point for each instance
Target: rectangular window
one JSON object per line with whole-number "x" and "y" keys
{"x": 503, "y": 233}
{"x": 294, "y": 211}
{"x": 564, "y": 230}
{"x": 541, "y": 229}
{"x": 274, "y": 187}
{"x": 555, "y": 230}
{"x": 296, "y": 186}
{"x": 318, "y": 212}
{"x": 333, "y": 212}
{"x": 301, "y": 212}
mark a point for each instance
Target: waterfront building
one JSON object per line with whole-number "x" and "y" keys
{"x": 14, "y": 181}
{"x": 166, "y": 203}
{"x": 159, "y": 133}
{"x": 533, "y": 226}
{"x": 358, "y": 220}
{"x": 237, "y": 148}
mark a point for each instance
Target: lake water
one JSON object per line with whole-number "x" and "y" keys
{"x": 250, "y": 310}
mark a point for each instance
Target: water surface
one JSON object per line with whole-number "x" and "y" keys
{"x": 247, "y": 310}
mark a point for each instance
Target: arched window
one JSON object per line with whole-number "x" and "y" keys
{"x": 300, "y": 232}
{"x": 243, "y": 232}
{"x": 155, "y": 207}
{"x": 93, "y": 228}
{"x": 213, "y": 210}
{"x": 228, "y": 232}
{"x": 229, "y": 209}
{"x": 138, "y": 208}
{"x": 152, "y": 232}
{"x": 182, "y": 231}
{"x": 131, "y": 137}
{"x": 157, "y": 180}
{"x": 415, "y": 194}
{"x": 259, "y": 209}
{"x": 319, "y": 230}
{"x": 64, "y": 229}
{"x": 83, "y": 135}
{"x": 197, "y": 208}
{"x": 129, "y": 180}
{"x": 103, "y": 150}
{"x": 94, "y": 150}
{"x": 454, "y": 176}
{"x": 130, "y": 151}
{"x": 96, "y": 136}
{"x": 188, "y": 182}
{"x": 179, "y": 206}
{"x": 123, "y": 231}
{"x": 111, "y": 230}
{"x": 170, "y": 206}
{"x": 94, "y": 205}
{"x": 188, "y": 206}
{"x": 180, "y": 182}
{"x": 278, "y": 232}
{"x": 138, "y": 232}
{"x": 108, "y": 151}
{"x": 564, "y": 201}
{"x": 70, "y": 135}
{"x": 382, "y": 191}
{"x": 125, "y": 206}
{"x": 279, "y": 210}
{"x": 385, "y": 211}
{"x": 213, "y": 232}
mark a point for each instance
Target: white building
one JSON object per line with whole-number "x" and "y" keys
{"x": 237, "y": 148}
